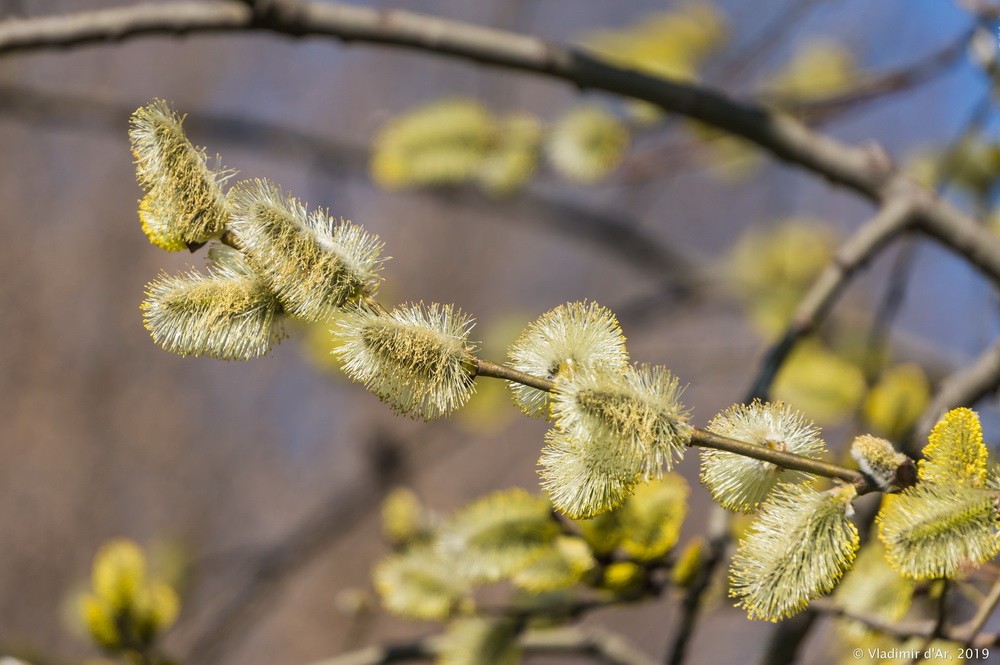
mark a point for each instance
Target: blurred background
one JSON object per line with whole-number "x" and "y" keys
{"x": 262, "y": 480}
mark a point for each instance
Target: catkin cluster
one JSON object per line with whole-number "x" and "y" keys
{"x": 615, "y": 425}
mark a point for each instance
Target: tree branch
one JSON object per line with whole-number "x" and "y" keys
{"x": 866, "y": 170}
{"x": 704, "y": 439}
{"x": 963, "y": 388}
{"x": 595, "y": 643}
{"x": 784, "y": 136}
{"x": 867, "y": 241}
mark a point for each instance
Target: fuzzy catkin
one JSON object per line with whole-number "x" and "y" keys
{"x": 573, "y": 336}
{"x": 313, "y": 262}
{"x": 229, "y": 314}
{"x": 184, "y": 203}
{"x": 416, "y": 358}
{"x": 741, "y": 483}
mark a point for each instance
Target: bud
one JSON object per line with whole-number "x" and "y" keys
{"x": 888, "y": 467}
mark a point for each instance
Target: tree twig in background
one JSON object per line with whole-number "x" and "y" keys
{"x": 691, "y": 605}
{"x": 856, "y": 251}
{"x": 963, "y": 388}
{"x": 594, "y": 643}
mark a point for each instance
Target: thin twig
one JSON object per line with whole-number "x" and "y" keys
{"x": 860, "y": 248}
{"x": 963, "y": 388}
{"x": 867, "y": 170}
{"x": 986, "y": 608}
{"x": 594, "y": 643}
{"x": 691, "y": 605}
{"x": 704, "y": 439}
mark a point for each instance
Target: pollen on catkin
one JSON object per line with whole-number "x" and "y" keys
{"x": 955, "y": 453}
{"x": 635, "y": 413}
{"x": 313, "y": 262}
{"x": 741, "y": 483}
{"x": 587, "y": 143}
{"x": 498, "y": 534}
{"x": 228, "y": 313}
{"x": 184, "y": 202}
{"x": 932, "y": 531}
{"x": 416, "y": 358}
{"x": 561, "y": 341}
{"x": 798, "y": 549}
{"x": 584, "y": 481}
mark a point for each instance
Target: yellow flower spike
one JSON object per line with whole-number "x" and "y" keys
{"x": 670, "y": 44}
{"x": 184, "y": 203}
{"x": 741, "y": 483}
{"x": 416, "y": 358}
{"x": 572, "y": 336}
{"x": 99, "y": 620}
{"x": 156, "y": 224}
{"x": 228, "y": 313}
{"x": 420, "y": 584}
{"x": 514, "y": 159}
{"x": 652, "y": 517}
{"x": 603, "y": 533}
{"x": 897, "y": 400}
{"x": 586, "y": 480}
{"x": 498, "y": 534}
{"x": 636, "y": 412}
{"x": 313, "y": 262}
{"x": 164, "y": 606}
{"x": 690, "y": 563}
{"x": 932, "y": 531}
{"x": 444, "y": 142}
{"x": 820, "y": 70}
{"x": 477, "y": 641}
{"x": 119, "y": 573}
{"x": 587, "y": 144}
{"x": 623, "y": 578}
{"x": 872, "y": 588}
{"x": 402, "y": 516}
{"x": 823, "y": 385}
{"x": 955, "y": 453}
{"x": 798, "y": 549}
{"x": 559, "y": 566}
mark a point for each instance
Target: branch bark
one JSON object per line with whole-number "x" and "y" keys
{"x": 594, "y": 643}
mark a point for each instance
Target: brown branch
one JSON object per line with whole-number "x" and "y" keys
{"x": 704, "y": 439}
{"x": 975, "y": 625}
{"x": 784, "y": 136}
{"x": 691, "y": 605}
{"x": 867, "y": 241}
{"x": 908, "y": 630}
{"x": 866, "y": 170}
{"x": 963, "y": 388}
{"x": 594, "y": 643}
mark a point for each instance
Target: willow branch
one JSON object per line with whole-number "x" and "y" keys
{"x": 975, "y": 625}
{"x": 782, "y": 135}
{"x": 594, "y": 643}
{"x": 691, "y": 605}
{"x": 907, "y": 630}
{"x": 704, "y": 439}
{"x": 867, "y": 170}
{"x": 858, "y": 250}
{"x": 963, "y": 388}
